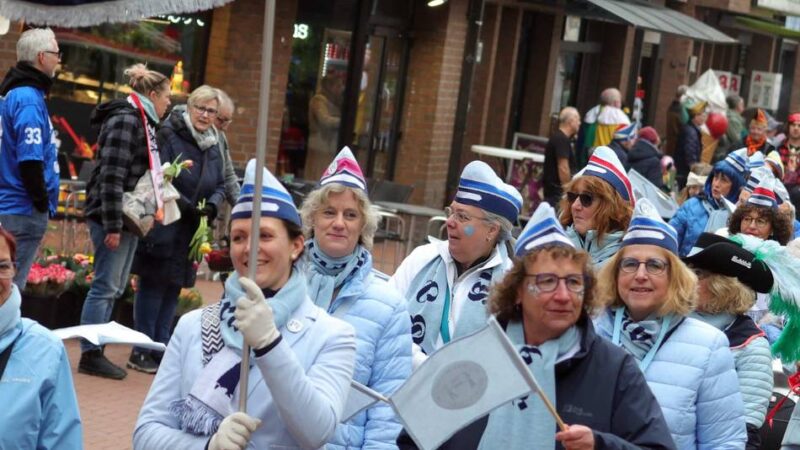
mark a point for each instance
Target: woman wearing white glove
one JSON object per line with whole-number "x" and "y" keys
{"x": 302, "y": 359}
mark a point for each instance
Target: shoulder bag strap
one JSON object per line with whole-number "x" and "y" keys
{"x": 4, "y": 357}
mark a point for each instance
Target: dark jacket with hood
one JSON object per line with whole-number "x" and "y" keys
{"x": 163, "y": 255}
{"x": 645, "y": 158}
{"x": 600, "y": 387}
{"x": 122, "y": 159}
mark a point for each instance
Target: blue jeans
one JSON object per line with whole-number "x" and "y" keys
{"x": 154, "y": 309}
{"x": 111, "y": 271}
{"x": 28, "y": 231}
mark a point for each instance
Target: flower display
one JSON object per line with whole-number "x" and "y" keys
{"x": 48, "y": 280}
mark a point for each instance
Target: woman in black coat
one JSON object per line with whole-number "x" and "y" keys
{"x": 162, "y": 258}
{"x": 645, "y": 157}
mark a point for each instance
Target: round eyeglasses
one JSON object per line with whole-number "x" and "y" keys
{"x": 461, "y": 216}
{"x": 653, "y": 266}
{"x": 548, "y": 282}
{"x": 759, "y": 222}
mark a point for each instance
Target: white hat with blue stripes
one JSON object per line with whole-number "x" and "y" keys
{"x": 481, "y": 187}
{"x": 275, "y": 201}
{"x": 543, "y": 229}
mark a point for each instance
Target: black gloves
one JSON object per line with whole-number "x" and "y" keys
{"x": 209, "y": 210}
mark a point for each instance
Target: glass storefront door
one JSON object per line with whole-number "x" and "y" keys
{"x": 377, "y": 115}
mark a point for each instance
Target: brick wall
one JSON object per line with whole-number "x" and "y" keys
{"x": 434, "y": 73}
{"x": 8, "y": 47}
{"x": 674, "y": 71}
{"x": 234, "y": 65}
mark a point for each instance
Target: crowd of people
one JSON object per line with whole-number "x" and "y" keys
{"x": 643, "y": 333}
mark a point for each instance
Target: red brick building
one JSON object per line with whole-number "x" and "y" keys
{"x": 411, "y": 87}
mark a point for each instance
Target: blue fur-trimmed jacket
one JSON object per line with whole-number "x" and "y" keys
{"x": 690, "y": 221}
{"x": 383, "y": 355}
{"x": 694, "y": 380}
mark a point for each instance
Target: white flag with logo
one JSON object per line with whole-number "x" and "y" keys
{"x": 460, "y": 383}
{"x": 359, "y": 398}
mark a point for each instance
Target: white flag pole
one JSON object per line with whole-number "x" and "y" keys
{"x": 523, "y": 369}
{"x": 261, "y": 153}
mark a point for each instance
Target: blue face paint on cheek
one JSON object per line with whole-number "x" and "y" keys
{"x": 469, "y": 230}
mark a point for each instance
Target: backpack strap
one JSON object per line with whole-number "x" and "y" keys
{"x": 211, "y": 332}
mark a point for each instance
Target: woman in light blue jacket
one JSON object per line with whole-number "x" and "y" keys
{"x": 302, "y": 358}
{"x": 649, "y": 292}
{"x": 339, "y": 223}
{"x": 40, "y": 410}
{"x": 597, "y": 205}
{"x": 728, "y": 279}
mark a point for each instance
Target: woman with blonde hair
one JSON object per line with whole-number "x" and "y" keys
{"x": 597, "y": 205}
{"x": 162, "y": 260}
{"x": 126, "y": 146}
{"x": 339, "y": 223}
{"x": 728, "y": 279}
{"x": 648, "y": 294}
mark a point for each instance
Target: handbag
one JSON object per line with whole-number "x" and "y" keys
{"x": 139, "y": 206}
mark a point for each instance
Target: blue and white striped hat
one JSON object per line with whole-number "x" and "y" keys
{"x": 756, "y": 177}
{"x": 480, "y": 186}
{"x": 648, "y": 228}
{"x": 604, "y": 164}
{"x": 344, "y": 170}
{"x": 764, "y": 194}
{"x": 542, "y": 229}
{"x": 756, "y": 160}
{"x": 738, "y": 160}
{"x": 275, "y": 201}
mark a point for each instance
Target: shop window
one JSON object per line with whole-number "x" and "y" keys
{"x": 318, "y": 72}
{"x": 92, "y": 68}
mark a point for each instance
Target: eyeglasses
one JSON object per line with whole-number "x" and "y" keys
{"x": 210, "y": 112}
{"x": 7, "y": 270}
{"x": 585, "y": 197}
{"x": 548, "y": 282}
{"x": 58, "y": 54}
{"x": 760, "y": 222}
{"x": 223, "y": 120}
{"x": 461, "y": 216}
{"x": 653, "y": 266}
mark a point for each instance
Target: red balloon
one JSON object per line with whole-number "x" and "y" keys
{"x": 717, "y": 124}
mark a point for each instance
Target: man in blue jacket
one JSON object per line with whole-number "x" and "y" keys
{"x": 28, "y": 160}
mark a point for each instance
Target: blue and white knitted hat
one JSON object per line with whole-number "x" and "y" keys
{"x": 764, "y": 194}
{"x": 480, "y": 186}
{"x": 604, "y": 164}
{"x": 542, "y": 229}
{"x": 625, "y": 132}
{"x": 275, "y": 201}
{"x": 344, "y": 169}
{"x": 738, "y": 160}
{"x": 756, "y": 160}
{"x": 756, "y": 177}
{"x": 648, "y": 228}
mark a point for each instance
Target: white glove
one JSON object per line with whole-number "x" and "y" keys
{"x": 234, "y": 432}
{"x": 254, "y": 317}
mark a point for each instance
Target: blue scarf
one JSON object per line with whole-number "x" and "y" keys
{"x": 599, "y": 250}
{"x": 212, "y": 394}
{"x": 148, "y": 106}
{"x": 10, "y": 317}
{"x": 526, "y": 423}
{"x": 719, "y": 321}
{"x": 430, "y": 296}
{"x": 641, "y": 339}
{"x": 326, "y": 274}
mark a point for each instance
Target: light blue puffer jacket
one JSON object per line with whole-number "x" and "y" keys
{"x": 383, "y": 355}
{"x": 599, "y": 251}
{"x": 689, "y": 222}
{"x": 753, "y": 362}
{"x": 694, "y": 381}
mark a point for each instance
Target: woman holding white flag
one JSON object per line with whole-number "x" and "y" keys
{"x": 302, "y": 358}
{"x": 649, "y": 293}
{"x": 544, "y": 303}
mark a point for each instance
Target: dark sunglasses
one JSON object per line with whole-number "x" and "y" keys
{"x": 586, "y": 198}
